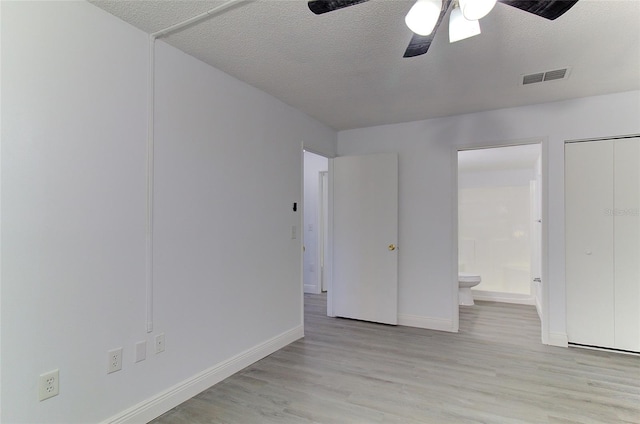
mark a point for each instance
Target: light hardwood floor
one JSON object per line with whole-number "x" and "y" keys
{"x": 495, "y": 370}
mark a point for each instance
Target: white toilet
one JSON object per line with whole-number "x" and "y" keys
{"x": 465, "y": 282}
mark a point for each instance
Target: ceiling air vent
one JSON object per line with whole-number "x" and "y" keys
{"x": 533, "y": 78}
{"x": 556, "y": 74}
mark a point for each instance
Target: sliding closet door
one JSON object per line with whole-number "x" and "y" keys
{"x": 589, "y": 228}
{"x": 627, "y": 243}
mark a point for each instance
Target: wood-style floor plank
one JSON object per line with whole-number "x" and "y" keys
{"x": 495, "y": 370}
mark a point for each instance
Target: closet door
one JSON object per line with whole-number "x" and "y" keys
{"x": 627, "y": 243}
{"x": 589, "y": 228}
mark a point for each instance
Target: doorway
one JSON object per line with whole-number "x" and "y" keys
{"x": 315, "y": 228}
{"x": 500, "y": 225}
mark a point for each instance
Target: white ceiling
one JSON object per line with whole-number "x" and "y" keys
{"x": 499, "y": 158}
{"x": 345, "y": 68}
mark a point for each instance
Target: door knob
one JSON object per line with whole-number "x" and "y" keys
{"x": 392, "y": 247}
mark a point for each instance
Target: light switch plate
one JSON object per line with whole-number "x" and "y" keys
{"x": 141, "y": 351}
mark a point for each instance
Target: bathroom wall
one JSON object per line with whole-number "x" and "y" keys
{"x": 494, "y": 237}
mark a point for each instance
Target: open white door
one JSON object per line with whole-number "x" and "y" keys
{"x": 365, "y": 233}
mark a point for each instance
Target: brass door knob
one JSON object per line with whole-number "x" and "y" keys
{"x": 392, "y": 247}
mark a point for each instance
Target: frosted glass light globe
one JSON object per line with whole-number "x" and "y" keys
{"x": 423, "y": 16}
{"x": 476, "y": 9}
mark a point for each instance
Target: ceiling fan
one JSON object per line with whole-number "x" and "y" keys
{"x": 425, "y": 16}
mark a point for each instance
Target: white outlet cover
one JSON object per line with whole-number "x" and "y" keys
{"x": 48, "y": 384}
{"x": 141, "y": 351}
{"x": 114, "y": 360}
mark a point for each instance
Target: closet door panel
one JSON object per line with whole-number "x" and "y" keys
{"x": 627, "y": 243}
{"x": 589, "y": 243}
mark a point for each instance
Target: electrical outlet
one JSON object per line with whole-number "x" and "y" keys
{"x": 114, "y": 358}
{"x": 160, "y": 343}
{"x": 48, "y": 385}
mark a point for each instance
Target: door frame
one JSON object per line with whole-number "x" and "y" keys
{"x": 544, "y": 247}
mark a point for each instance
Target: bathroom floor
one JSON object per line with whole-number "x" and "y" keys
{"x": 495, "y": 370}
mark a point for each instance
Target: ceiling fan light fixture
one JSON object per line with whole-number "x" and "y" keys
{"x": 461, "y": 28}
{"x": 423, "y": 16}
{"x": 476, "y": 9}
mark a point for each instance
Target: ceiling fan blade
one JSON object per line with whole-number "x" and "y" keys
{"x": 420, "y": 44}
{"x": 323, "y": 6}
{"x": 549, "y": 9}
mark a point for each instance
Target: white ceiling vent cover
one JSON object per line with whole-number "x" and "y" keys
{"x": 533, "y": 78}
{"x": 556, "y": 74}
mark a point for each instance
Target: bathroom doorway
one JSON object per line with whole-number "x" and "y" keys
{"x": 500, "y": 222}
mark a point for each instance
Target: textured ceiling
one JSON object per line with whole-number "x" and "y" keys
{"x": 345, "y": 68}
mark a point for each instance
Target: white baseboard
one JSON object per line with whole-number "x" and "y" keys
{"x": 426, "y": 322}
{"x": 558, "y": 339}
{"x": 517, "y": 298}
{"x": 159, "y": 404}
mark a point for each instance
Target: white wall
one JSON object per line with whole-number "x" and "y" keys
{"x": 313, "y": 165}
{"x": 494, "y": 237}
{"x": 73, "y": 196}
{"x": 495, "y": 178}
{"x": 427, "y": 186}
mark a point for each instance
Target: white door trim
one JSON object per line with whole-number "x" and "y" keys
{"x": 330, "y": 312}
